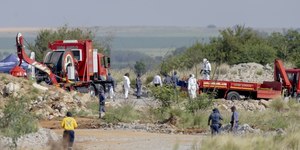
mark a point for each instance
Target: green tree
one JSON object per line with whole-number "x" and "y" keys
{"x": 40, "y": 46}
{"x": 140, "y": 67}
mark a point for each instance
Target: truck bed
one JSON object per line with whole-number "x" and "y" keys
{"x": 266, "y": 90}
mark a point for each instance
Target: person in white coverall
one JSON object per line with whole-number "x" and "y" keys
{"x": 206, "y": 69}
{"x": 192, "y": 86}
{"x": 126, "y": 85}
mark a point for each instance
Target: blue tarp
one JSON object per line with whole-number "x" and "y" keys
{"x": 10, "y": 62}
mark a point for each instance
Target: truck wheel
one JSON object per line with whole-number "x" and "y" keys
{"x": 233, "y": 95}
{"x": 92, "y": 90}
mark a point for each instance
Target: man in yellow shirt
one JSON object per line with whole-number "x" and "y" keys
{"x": 69, "y": 124}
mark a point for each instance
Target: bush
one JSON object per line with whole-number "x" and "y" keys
{"x": 202, "y": 102}
{"x": 149, "y": 79}
{"x": 17, "y": 120}
{"x": 166, "y": 95}
{"x": 124, "y": 113}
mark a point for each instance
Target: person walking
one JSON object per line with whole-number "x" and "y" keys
{"x": 126, "y": 85}
{"x": 111, "y": 86}
{"x": 234, "y": 120}
{"x": 157, "y": 80}
{"x": 192, "y": 86}
{"x": 175, "y": 79}
{"x": 69, "y": 124}
{"x": 214, "y": 121}
{"x": 101, "y": 98}
{"x": 206, "y": 69}
{"x": 138, "y": 86}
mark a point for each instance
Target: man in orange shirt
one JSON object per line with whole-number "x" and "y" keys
{"x": 69, "y": 124}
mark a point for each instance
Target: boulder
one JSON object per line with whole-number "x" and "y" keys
{"x": 11, "y": 88}
{"x": 265, "y": 103}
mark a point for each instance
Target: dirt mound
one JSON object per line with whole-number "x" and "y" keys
{"x": 45, "y": 101}
{"x": 245, "y": 72}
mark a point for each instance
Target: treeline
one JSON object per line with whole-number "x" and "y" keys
{"x": 239, "y": 45}
{"x": 123, "y": 59}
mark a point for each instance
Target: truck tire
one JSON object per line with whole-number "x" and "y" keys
{"x": 233, "y": 95}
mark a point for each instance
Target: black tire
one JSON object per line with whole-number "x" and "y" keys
{"x": 233, "y": 95}
{"x": 92, "y": 91}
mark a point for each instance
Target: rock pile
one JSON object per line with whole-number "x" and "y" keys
{"x": 248, "y": 105}
{"x": 242, "y": 129}
{"x": 247, "y": 72}
{"x": 38, "y": 139}
{"x": 46, "y": 101}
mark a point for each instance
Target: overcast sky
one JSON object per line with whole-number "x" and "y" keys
{"x": 196, "y": 13}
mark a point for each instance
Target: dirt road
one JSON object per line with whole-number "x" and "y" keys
{"x": 96, "y": 139}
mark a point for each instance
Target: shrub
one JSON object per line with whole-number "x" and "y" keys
{"x": 202, "y": 102}
{"x": 17, "y": 120}
{"x": 149, "y": 79}
{"x": 166, "y": 95}
{"x": 124, "y": 113}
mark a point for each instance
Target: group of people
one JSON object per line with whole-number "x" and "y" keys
{"x": 168, "y": 80}
{"x": 214, "y": 121}
{"x": 69, "y": 123}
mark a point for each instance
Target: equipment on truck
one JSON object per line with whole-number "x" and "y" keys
{"x": 286, "y": 82}
{"x": 70, "y": 64}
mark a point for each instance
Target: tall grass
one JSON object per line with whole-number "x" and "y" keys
{"x": 288, "y": 141}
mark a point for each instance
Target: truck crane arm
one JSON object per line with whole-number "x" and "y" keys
{"x": 23, "y": 56}
{"x": 279, "y": 72}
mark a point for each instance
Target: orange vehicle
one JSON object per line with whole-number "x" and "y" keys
{"x": 70, "y": 64}
{"x": 286, "y": 82}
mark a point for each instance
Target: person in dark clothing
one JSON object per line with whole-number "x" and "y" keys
{"x": 138, "y": 86}
{"x": 214, "y": 121}
{"x": 175, "y": 79}
{"x": 167, "y": 80}
{"x": 101, "y": 103}
{"x": 234, "y": 120}
{"x": 111, "y": 86}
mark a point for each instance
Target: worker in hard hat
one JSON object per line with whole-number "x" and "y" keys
{"x": 192, "y": 86}
{"x": 206, "y": 69}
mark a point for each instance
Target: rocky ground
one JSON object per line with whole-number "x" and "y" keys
{"x": 50, "y": 102}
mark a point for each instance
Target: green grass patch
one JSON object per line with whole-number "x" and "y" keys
{"x": 124, "y": 113}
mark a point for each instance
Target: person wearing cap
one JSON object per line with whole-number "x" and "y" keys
{"x": 111, "y": 86}
{"x": 69, "y": 124}
{"x": 206, "y": 69}
{"x": 214, "y": 121}
{"x": 234, "y": 120}
{"x": 192, "y": 86}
